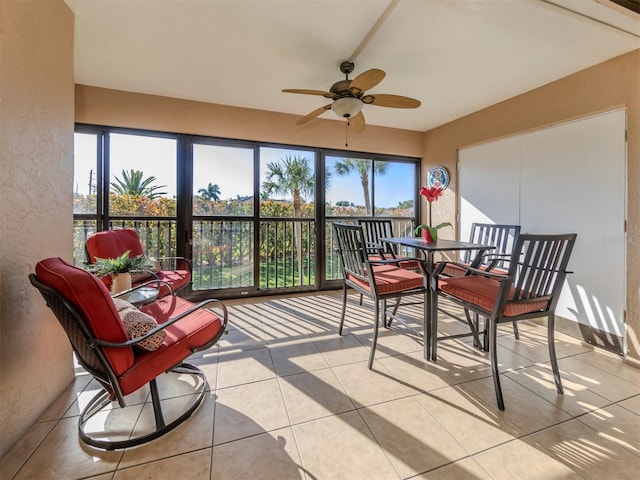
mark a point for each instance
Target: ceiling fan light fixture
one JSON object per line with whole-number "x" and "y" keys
{"x": 347, "y": 107}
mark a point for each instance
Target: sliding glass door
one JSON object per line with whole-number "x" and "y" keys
{"x": 253, "y": 218}
{"x": 223, "y": 217}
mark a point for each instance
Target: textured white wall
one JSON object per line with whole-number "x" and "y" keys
{"x": 36, "y": 177}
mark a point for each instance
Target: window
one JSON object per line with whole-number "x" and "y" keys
{"x": 246, "y": 214}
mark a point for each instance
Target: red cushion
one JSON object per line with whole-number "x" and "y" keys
{"x": 391, "y": 279}
{"x": 177, "y": 279}
{"x": 113, "y": 243}
{"x": 89, "y": 295}
{"x": 406, "y": 264}
{"x": 482, "y": 291}
{"x": 452, "y": 270}
{"x": 191, "y": 332}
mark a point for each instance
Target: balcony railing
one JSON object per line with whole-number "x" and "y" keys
{"x": 224, "y": 250}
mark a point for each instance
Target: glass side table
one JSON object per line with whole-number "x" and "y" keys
{"x": 140, "y": 296}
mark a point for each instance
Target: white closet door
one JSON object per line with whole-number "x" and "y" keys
{"x": 565, "y": 179}
{"x": 573, "y": 180}
{"x": 489, "y": 183}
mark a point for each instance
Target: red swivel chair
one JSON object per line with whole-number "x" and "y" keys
{"x": 102, "y": 344}
{"x": 113, "y": 243}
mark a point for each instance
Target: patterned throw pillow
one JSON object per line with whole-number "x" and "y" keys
{"x": 139, "y": 323}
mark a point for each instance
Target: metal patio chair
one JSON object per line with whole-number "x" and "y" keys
{"x": 529, "y": 289}
{"x": 503, "y": 237}
{"x": 379, "y": 280}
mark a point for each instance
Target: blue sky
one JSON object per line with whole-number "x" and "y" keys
{"x": 230, "y": 168}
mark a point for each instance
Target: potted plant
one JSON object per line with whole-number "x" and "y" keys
{"x": 120, "y": 269}
{"x": 429, "y": 233}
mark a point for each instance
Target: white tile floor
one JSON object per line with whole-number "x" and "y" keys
{"x": 290, "y": 399}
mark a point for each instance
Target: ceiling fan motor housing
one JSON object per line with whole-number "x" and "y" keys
{"x": 341, "y": 88}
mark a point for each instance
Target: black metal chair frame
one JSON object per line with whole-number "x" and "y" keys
{"x": 503, "y": 237}
{"x": 355, "y": 262}
{"x": 537, "y": 270}
{"x": 89, "y": 353}
{"x": 374, "y": 230}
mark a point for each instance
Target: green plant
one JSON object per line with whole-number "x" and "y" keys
{"x": 432, "y": 230}
{"x": 122, "y": 264}
{"x": 133, "y": 183}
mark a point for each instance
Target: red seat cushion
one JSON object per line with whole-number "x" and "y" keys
{"x": 482, "y": 291}
{"x": 113, "y": 243}
{"x": 177, "y": 279}
{"x": 452, "y": 270}
{"x": 408, "y": 264}
{"x": 391, "y": 279}
{"x": 187, "y": 334}
{"x": 89, "y": 295}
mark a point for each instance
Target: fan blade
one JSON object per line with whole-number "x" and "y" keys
{"x": 316, "y": 113}
{"x": 365, "y": 81}
{"x": 393, "y": 101}
{"x": 357, "y": 122}
{"x": 310, "y": 92}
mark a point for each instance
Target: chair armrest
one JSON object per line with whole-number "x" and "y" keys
{"x": 469, "y": 271}
{"x": 183, "y": 259}
{"x": 490, "y": 259}
{"x": 221, "y": 306}
{"x": 398, "y": 261}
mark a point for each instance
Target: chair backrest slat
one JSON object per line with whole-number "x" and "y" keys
{"x": 501, "y": 236}
{"x": 374, "y": 230}
{"x": 540, "y": 265}
{"x": 351, "y": 249}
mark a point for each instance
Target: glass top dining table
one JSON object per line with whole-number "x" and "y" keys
{"x": 428, "y": 249}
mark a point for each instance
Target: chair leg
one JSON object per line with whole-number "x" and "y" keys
{"x": 516, "y": 332}
{"x": 552, "y": 353}
{"x": 344, "y": 307}
{"x": 115, "y": 437}
{"x": 361, "y": 297}
{"x": 387, "y": 323}
{"x": 157, "y": 407}
{"x": 492, "y": 327}
{"x": 486, "y": 333}
{"x": 473, "y": 326}
{"x": 375, "y": 333}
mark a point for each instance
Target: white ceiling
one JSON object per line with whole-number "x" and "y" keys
{"x": 455, "y": 56}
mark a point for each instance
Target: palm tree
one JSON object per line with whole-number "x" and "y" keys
{"x": 293, "y": 176}
{"x": 362, "y": 166}
{"x": 132, "y": 183}
{"x": 212, "y": 192}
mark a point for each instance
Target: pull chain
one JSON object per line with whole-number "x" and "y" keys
{"x": 346, "y": 134}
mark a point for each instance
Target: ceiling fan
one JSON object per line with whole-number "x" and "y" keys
{"x": 349, "y": 97}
